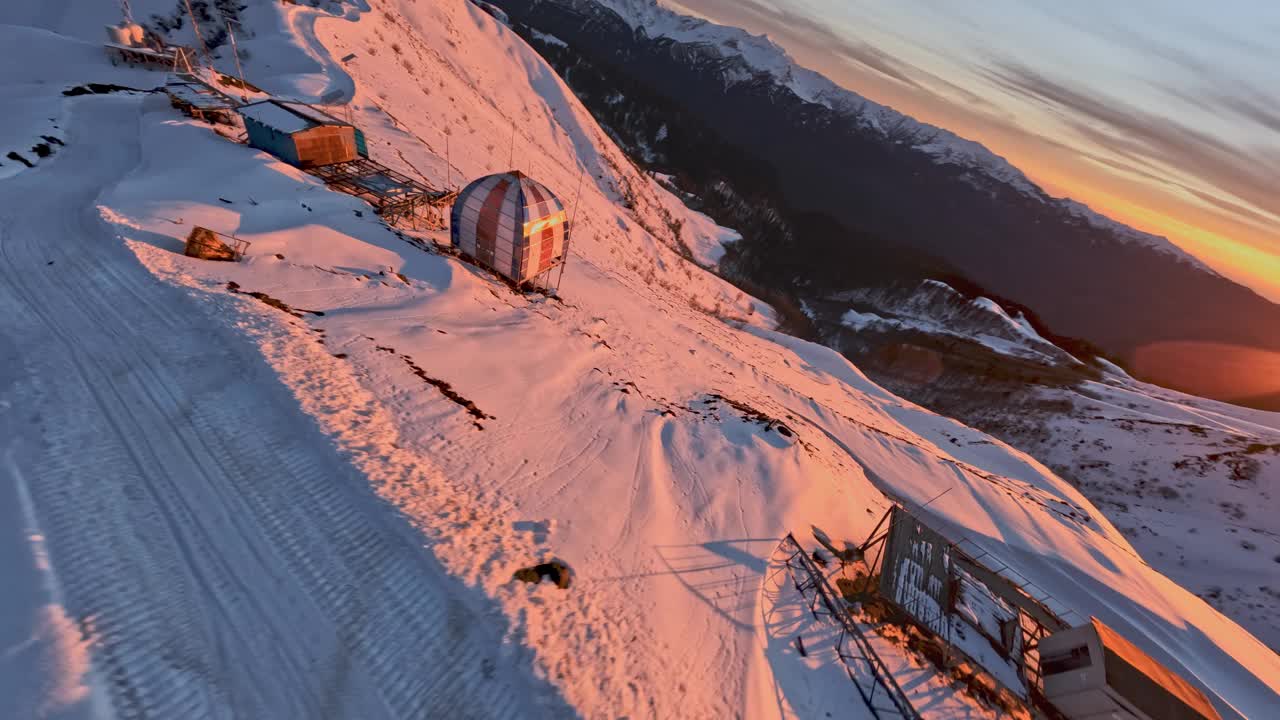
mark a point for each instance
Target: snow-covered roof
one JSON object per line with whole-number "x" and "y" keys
{"x": 315, "y": 115}
{"x": 140, "y": 50}
{"x": 287, "y": 117}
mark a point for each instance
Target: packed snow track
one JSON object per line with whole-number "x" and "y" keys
{"x": 220, "y": 555}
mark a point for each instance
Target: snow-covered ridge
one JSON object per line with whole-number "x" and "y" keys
{"x": 936, "y": 308}
{"x": 945, "y": 147}
{"x": 764, "y": 55}
{"x": 1130, "y": 234}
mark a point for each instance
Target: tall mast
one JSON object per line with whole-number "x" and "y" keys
{"x": 195, "y": 27}
{"x": 235, "y": 53}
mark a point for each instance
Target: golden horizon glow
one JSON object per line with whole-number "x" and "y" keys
{"x": 1219, "y": 242}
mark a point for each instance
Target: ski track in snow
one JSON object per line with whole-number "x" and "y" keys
{"x": 339, "y": 86}
{"x": 233, "y": 564}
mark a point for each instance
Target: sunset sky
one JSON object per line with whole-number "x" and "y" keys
{"x": 1164, "y": 114}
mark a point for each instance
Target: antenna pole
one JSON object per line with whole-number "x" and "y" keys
{"x": 195, "y": 27}
{"x": 511, "y": 158}
{"x": 577, "y": 195}
{"x": 235, "y": 53}
{"x": 573, "y": 226}
{"x": 935, "y": 497}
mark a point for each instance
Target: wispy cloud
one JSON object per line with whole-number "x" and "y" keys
{"x": 793, "y": 29}
{"x": 1252, "y": 106}
{"x": 1154, "y": 141}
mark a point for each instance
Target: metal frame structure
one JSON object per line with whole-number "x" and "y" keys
{"x": 852, "y": 646}
{"x": 546, "y": 274}
{"x": 395, "y": 197}
{"x": 1039, "y": 615}
{"x": 199, "y": 100}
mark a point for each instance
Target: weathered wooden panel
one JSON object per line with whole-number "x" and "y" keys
{"x": 916, "y": 573}
{"x": 325, "y": 145}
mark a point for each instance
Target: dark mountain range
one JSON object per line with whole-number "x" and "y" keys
{"x": 828, "y": 201}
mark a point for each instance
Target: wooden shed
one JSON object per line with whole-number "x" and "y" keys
{"x": 302, "y": 135}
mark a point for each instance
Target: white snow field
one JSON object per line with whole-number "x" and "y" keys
{"x": 1192, "y": 483}
{"x": 223, "y": 558}
{"x": 230, "y": 510}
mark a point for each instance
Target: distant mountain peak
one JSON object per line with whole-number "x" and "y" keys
{"x": 762, "y": 55}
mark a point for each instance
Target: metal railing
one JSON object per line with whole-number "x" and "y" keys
{"x": 877, "y": 686}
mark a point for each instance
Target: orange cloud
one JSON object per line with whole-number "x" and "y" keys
{"x": 1222, "y": 238}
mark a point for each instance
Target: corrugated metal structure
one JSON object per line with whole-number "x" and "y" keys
{"x": 950, "y": 593}
{"x": 395, "y": 196}
{"x": 1091, "y": 672}
{"x": 172, "y": 57}
{"x": 512, "y": 224}
{"x": 302, "y": 135}
{"x": 916, "y": 572}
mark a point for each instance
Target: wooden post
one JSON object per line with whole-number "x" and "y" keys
{"x": 179, "y": 53}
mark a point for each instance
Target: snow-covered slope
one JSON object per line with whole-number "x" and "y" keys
{"x": 316, "y": 506}
{"x": 1193, "y": 484}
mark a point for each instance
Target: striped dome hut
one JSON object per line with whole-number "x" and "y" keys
{"x": 511, "y": 224}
